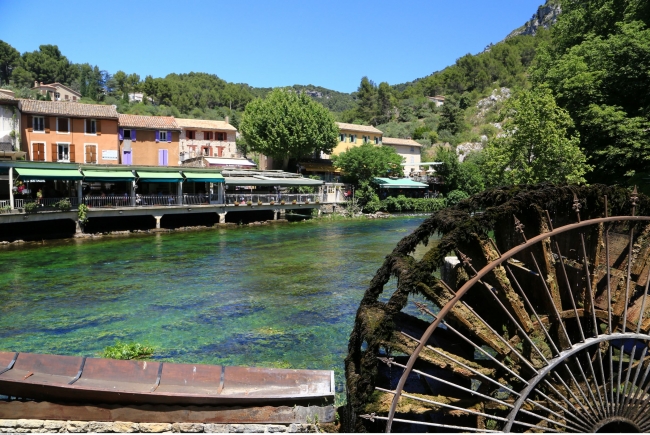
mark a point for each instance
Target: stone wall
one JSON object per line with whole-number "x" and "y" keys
{"x": 55, "y": 426}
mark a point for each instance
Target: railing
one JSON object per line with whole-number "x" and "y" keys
{"x": 46, "y": 202}
{"x": 255, "y": 198}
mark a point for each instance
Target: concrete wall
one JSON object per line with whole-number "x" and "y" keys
{"x": 8, "y": 124}
{"x": 104, "y": 140}
{"x": 145, "y": 149}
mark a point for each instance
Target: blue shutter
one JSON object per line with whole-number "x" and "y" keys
{"x": 120, "y": 134}
{"x": 157, "y": 136}
{"x": 165, "y": 161}
{"x": 169, "y": 136}
{"x": 160, "y": 156}
{"x": 133, "y": 135}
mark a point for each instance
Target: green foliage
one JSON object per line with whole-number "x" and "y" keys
{"x": 366, "y": 193}
{"x": 365, "y": 162}
{"x": 9, "y": 60}
{"x": 63, "y": 205}
{"x": 31, "y": 207}
{"x": 5, "y": 209}
{"x": 456, "y": 196}
{"x": 537, "y": 145}
{"x": 127, "y": 351}
{"x": 286, "y": 124}
{"x": 451, "y": 118}
{"x": 467, "y": 176}
{"x": 82, "y": 213}
{"x": 403, "y": 204}
{"x": 597, "y": 65}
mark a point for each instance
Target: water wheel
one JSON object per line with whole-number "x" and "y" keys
{"x": 529, "y": 314}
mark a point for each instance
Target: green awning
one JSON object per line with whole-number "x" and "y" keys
{"x": 98, "y": 175}
{"x": 27, "y": 174}
{"x": 159, "y": 177}
{"x": 269, "y": 181}
{"x": 203, "y": 177}
{"x": 399, "y": 183}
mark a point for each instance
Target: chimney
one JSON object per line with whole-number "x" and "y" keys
{"x": 227, "y": 119}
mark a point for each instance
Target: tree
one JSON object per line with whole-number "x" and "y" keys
{"x": 385, "y": 103}
{"x": 451, "y": 117}
{"x": 120, "y": 80}
{"x": 367, "y": 101}
{"x": 363, "y": 163}
{"x": 286, "y": 124}
{"x": 9, "y": 59}
{"x": 537, "y": 145}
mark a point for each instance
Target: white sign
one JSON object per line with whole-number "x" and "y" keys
{"x": 109, "y": 155}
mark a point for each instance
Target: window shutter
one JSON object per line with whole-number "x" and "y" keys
{"x": 93, "y": 154}
{"x": 169, "y": 136}
{"x": 210, "y": 151}
{"x": 89, "y": 154}
{"x": 165, "y": 157}
{"x": 55, "y": 152}
{"x": 120, "y": 134}
{"x": 98, "y": 124}
{"x": 133, "y": 135}
{"x": 46, "y": 123}
{"x": 157, "y": 136}
{"x": 71, "y": 152}
{"x": 160, "y": 157}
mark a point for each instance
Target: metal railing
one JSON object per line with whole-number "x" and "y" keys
{"x": 255, "y": 198}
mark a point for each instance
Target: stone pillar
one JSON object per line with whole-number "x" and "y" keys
{"x": 222, "y": 198}
{"x": 282, "y": 213}
{"x": 11, "y": 187}
{"x": 222, "y": 217}
{"x": 158, "y": 221}
{"x": 79, "y": 193}
{"x": 132, "y": 193}
{"x": 275, "y": 215}
{"x": 77, "y": 229}
{"x": 179, "y": 192}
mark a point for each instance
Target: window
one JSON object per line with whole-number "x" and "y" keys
{"x": 412, "y": 149}
{"x": 67, "y": 97}
{"x": 63, "y": 154}
{"x": 191, "y": 134}
{"x": 206, "y": 151}
{"x": 74, "y": 98}
{"x": 38, "y": 152}
{"x": 341, "y": 138}
{"x": 162, "y": 157}
{"x": 412, "y": 160}
{"x": 376, "y": 140}
{"x": 163, "y": 136}
{"x": 63, "y": 125}
{"x": 127, "y": 134}
{"x": 366, "y": 139}
{"x": 221, "y": 136}
{"x": 91, "y": 126}
{"x": 353, "y": 138}
{"x": 91, "y": 154}
{"x": 207, "y": 135}
{"x": 39, "y": 123}
{"x": 57, "y": 96}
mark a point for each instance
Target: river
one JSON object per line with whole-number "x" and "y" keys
{"x": 275, "y": 296}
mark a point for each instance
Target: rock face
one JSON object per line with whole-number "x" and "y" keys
{"x": 545, "y": 17}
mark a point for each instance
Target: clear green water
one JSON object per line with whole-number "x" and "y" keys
{"x": 274, "y": 296}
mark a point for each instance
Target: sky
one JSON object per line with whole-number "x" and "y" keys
{"x": 267, "y": 43}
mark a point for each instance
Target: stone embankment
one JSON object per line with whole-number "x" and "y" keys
{"x": 55, "y": 426}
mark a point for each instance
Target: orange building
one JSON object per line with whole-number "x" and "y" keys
{"x": 148, "y": 140}
{"x": 56, "y": 131}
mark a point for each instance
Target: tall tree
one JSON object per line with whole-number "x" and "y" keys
{"x": 451, "y": 118}
{"x": 385, "y": 103}
{"x": 286, "y": 124}
{"x": 367, "y": 101}
{"x": 363, "y": 163}
{"x": 537, "y": 145}
{"x": 9, "y": 59}
{"x": 48, "y": 65}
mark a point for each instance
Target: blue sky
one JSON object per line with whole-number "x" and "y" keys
{"x": 267, "y": 43}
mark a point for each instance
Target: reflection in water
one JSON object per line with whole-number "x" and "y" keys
{"x": 278, "y": 296}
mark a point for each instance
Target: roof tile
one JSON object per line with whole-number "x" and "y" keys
{"x": 64, "y": 108}
{"x": 396, "y": 141}
{"x": 204, "y": 124}
{"x": 361, "y": 128}
{"x": 152, "y": 122}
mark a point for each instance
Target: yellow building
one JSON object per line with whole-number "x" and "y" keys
{"x": 409, "y": 150}
{"x": 352, "y": 135}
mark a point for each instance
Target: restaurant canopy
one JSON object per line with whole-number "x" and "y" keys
{"x": 203, "y": 177}
{"x": 107, "y": 175}
{"x": 270, "y": 181}
{"x": 159, "y": 177}
{"x": 27, "y": 174}
{"x": 399, "y": 183}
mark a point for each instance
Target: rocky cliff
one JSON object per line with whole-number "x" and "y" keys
{"x": 545, "y": 17}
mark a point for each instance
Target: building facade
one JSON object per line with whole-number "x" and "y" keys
{"x": 206, "y": 138}
{"x": 9, "y": 127}
{"x": 409, "y": 150}
{"x": 58, "y": 92}
{"x": 148, "y": 140}
{"x": 352, "y": 135}
{"x": 53, "y": 131}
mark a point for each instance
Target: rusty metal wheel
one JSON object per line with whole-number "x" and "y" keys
{"x": 540, "y": 326}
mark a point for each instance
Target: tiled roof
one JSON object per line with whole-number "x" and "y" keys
{"x": 205, "y": 124}
{"x": 152, "y": 122}
{"x": 397, "y": 141}
{"x": 4, "y": 96}
{"x": 64, "y": 108}
{"x": 361, "y": 128}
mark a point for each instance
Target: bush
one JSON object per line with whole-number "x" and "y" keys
{"x": 63, "y": 205}
{"x": 123, "y": 350}
{"x": 5, "y": 209}
{"x": 372, "y": 207}
{"x": 31, "y": 207}
{"x": 404, "y": 204}
{"x": 456, "y": 196}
